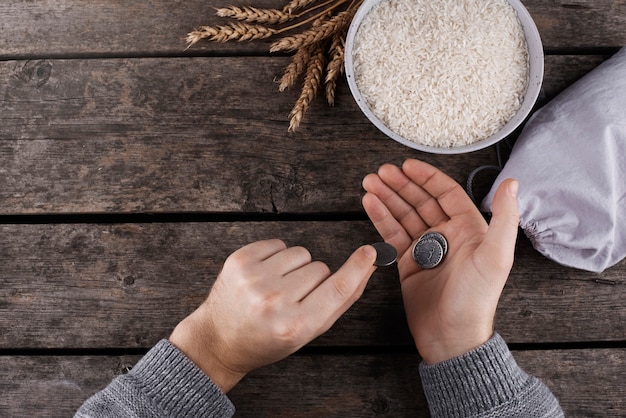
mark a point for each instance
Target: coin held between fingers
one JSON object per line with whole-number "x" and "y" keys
{"x": 386, "y": 254}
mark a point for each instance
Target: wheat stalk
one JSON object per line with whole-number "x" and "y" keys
{"x": 244, "y": 31}
{"x": 312, "y": 83}
{"x": 333, "y": 4}
{"x": 254, "y": 15}
{"x": 233, "y": 31}
{"x": 321, "y": 67}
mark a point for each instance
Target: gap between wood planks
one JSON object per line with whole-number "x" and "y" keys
{"x": 314, "y": 350}
{"x": 608, "y": 51}
{"x": 141, "y": 218}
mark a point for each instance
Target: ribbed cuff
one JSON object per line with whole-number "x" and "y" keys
{"x": 178, "y": 386}
{"x": 475, "y": 382}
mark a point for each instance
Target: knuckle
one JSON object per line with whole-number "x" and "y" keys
{"x": 320, "y": 269}
{"x": 342, "y": 289}
{"x": 238, "y": 259}
{"x": 278, "y": 243}
{"x": 513, "y": 219}
{"x": 290, "y": 333}
{"x": 301, "y": 253}
{"x": 266, "y": 303}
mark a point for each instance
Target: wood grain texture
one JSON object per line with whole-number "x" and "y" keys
{"x": 128, "y": 285}
{"x": 60, "y": 28}
{"x": 587, "y": 24}
{"x": 54, "y": 386}
{"x": 102, "y": 111}
{"x": 329, "y": 385}
{"x": 193, "y": 135}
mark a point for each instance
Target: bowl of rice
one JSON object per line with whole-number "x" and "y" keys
{"x": 444, "y": 76}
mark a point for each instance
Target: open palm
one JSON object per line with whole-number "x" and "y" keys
{"x": 450, "y": 308}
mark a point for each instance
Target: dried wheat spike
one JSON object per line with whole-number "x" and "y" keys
{"x": 300, "y": 60}
{"x": 312, "y": 83}
{"x": 233, "y": 31}
{"x": 310, "y": 36}
{"x": 295, "y": 68}
{"x": 294, "y": 5}
{"x": 335, "y": 65}
{"x": 254, "y": 15}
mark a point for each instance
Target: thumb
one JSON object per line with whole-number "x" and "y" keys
{"x": 502, "y": 233}
{"x": 337, "y": 293}
{"x": 347, "y": 284}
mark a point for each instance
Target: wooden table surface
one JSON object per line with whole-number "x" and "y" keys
{"x": 130, "y": 168}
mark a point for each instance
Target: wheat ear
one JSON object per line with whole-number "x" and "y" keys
{"x": 300, "y": 60}
{"x": 254, "y": 15}
{"x": 294, "y": 5}
{"x": 295, "y": 68}
{"x": 233, "y": 31}
{"x": 313, "y": 35}
{"x": 335, "y": 65}
{"x": 312, "y": 83}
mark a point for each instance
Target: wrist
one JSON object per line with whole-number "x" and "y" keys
{"x": 194, "y": 339}
{"x": 445, "y": 348}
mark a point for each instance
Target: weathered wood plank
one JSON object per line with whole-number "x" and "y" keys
{"x": 588, "y": 383}
{"x": 72, "y": 28}
{"x": 127, "y": 285}
{"x": 587, "y": 24}
{"x": 54, "y": 386}
{"x": 537, "y": 286}
{"x": 186, "y": 135}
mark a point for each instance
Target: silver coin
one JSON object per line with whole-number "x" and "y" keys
{"x": 386, "y": 254}
{"x": 427, "y": 253}
{"x": 440, "y": 239}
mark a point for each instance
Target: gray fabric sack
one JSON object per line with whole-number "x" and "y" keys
{"x": 570, "y": 160}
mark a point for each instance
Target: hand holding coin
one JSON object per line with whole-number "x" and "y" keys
{"x": 267, "y": 302}
{"x": 452, "y": 265}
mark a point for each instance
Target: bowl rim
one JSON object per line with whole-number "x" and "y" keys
{"x": 535, "y": 80}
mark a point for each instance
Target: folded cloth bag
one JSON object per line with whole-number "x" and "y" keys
{"x": 570, "y": 160}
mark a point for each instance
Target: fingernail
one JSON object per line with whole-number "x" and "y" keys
{"x": 513, "y": 188}
{"x": 370, "y": 252}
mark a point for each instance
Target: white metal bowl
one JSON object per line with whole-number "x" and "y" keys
{"x": 536, "y": 68}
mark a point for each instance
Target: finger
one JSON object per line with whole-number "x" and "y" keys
{"x": 290, "y": 259}
{"x": 448, "y": 194}
{"x": 499, "y": 244}
{"x": 324, "y": 305}
{"x": 397, "y": 206}
{"x": 301, "y": 282}
{"x": 259, "y": 250}
{"x": 419, "y": 199}
{"x": 385, "y": 223}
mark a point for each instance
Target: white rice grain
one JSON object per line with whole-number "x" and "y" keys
{"x": 442, "y": 73}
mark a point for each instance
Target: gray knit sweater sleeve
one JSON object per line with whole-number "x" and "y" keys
{"x": 164, "y": 383}
{"x": 486, "y": 382}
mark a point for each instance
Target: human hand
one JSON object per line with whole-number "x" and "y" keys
{"x": 450, "y": 308}
{"x": 268, "y": 302}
